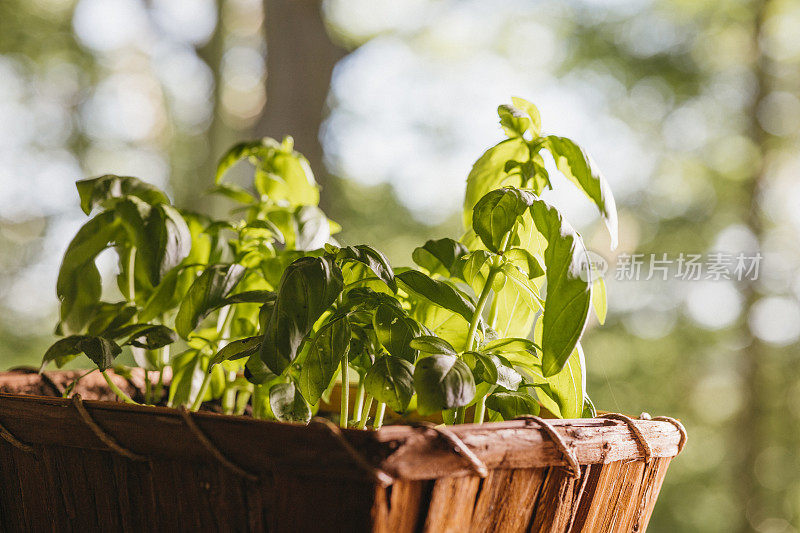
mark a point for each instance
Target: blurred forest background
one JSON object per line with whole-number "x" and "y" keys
{"x": 690, "y": 107}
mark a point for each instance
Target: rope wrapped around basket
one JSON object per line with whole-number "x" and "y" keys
{"x": 574, "y": 467}
{"x": 14, "y": 441}
{"x": 674, "y": 422}
{"x": 457, "y": 445}
{"x": 638, "y": 436}
{"x": 378, "y": 475}
{"x": 101, "y": 434}
{"x": 203, "y": 439}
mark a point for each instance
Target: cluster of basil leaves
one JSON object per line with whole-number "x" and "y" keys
{"x": 492, "y": 320}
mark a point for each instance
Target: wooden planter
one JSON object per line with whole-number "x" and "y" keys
{"x": 73, "y": 465}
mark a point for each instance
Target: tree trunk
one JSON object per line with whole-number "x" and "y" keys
{"x": 300, "y": 61}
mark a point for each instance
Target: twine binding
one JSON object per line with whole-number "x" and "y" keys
{"x": 674, "y": 422}
{"x": 638, "y": 436}
{"x": 107, "y": 439}
{"x": 458, "y": 447}
{"x": 572, "y": 461}
{"x": 212, "y": 448}
{"x": 14, "y": 441}
{"x": 378, "y": 475}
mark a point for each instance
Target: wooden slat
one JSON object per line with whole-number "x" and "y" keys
{"x": 398, "y": 507}
{"x": 507, "y": 500}
{"x": 555, "y": 506}
{"x": 451, "y": 505}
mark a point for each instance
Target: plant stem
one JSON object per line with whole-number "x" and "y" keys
{"x": 345, "y": 411}
{"x": 229, "y": 397}
{"x": 461, "y": 412}
{"x": 359, "y": 399}
{"x": 379, "y": 412}
{"x": 241, "y": 401}
{"x": 480, "y": 407}
{"x": 198, "y": 400}
{"x": 148, "y": 388}
{"x": 365, "y": 414}
{"x": 132, "y": 276}
{"x": 116, "y": 390}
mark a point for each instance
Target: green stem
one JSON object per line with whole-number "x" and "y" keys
{"x": 148, "y": 388}
{"x": 116, "y": 390}
{"x": 198, "y": 400}
{"x": 380, "y": 411}
{"x": 480, "y": 407}
{"x": 359, "y": 399}
{"x": 229, "y": 398}
{"x": 241, "y": 401}
{"x": 345, "y": 411}
{"x": 365, "y": 414}
{"x": 131, "y": 275}
{"x": 461, "y": 412}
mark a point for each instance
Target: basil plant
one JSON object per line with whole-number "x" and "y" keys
{"x": 271, "y": 313}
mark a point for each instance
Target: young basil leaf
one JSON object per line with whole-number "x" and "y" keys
{"x": 514, "y": 316}
{"x": 495, "y": 370}
{"x": 524, "y": 286}
{"x": 443, "y": 323}
{"x": 391, "y": 381}
{"x": 395, "y": 330}
{"x": 110, "y": 317}
{"x": 532, "y": 112}
{"x": 565, "y": 394}
{"x": 579, "y": 168}
{"x": 511, "y": 345}
{"x": 146, "y": 336}
{"x": 440, "y": 256}
{"x": 442, "y": 382}
{"x": 497, "y": 213}
{"x": 373, "y": 259}
{"x": 431, "y": 344}
{"x": 589, "y": 410}
{"x": 438, "y": 292}
{"x": 98, "y": 191}
{"x": 238, "y": 152}
{"x": 79, "y": 285}
{"x": 64, "y": 350}
{"x": 234, "y": 192}
{"x": 325, "y": 353}
{"x": 526, "y": 262}
{"x": 307, "y": 289}
{"x": 238, "y": 349}
{"x": 488, "y": 172}
{"x": 287, "y": 404}
{"x": 205, "y": 294}
{"x": 100, "y": 350}
{"x": 295, "y": 183}
{"x": 475, "y": 268}
{"x": 568, "y": 293}
{"x": 513, "y": 120}
{"x": 511, "y": 405}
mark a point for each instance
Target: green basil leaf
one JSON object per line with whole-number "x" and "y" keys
{"x": 525, "y": 261}
{"x": 100, "y": 350}
{"x": 431, "y": 344}
{"x": 372, "y": 259}
{"x": 395, "y": 331}
{"x": 234, "y": 192}
{"x": 79, "y": 285}
{"x": 325, "y": 353}
{"x": 532, "y": 112}
{"x": 238, "y": 349}
{"x": 238, "y": 152}
{"x": 568, "y": 297}
{"x": 109, "y": 317}
{"x": 146, "y": 336}
{"x": 307, "y": 289}
{"x": 511, "y": 405}
{"x": 295, "y": 182}
{"x": 442, "y": 382}
{"x": 207, "y": 291}
{"x": 513, "y": 120}
{"x": 391, "y": 381}
{"x": 187, "y": 377}
{"x": 565, "y": 395}
{"x": 511, "y": 345}
{"x": 438, "y": 292}
{"x": 443, "y": 323}
{"x": 579, "y": 168}
{"x": 527, "y": 290}
{"x": 256, "y": 372}
{"x": 488, "y": 172}
{"x": 495, "y": 370}
{"x": 98, "y": 191}
{"x": 287, "y": 404}
{"x": 475, "y": 268}
{"x": 64, "y": 350}
{"x": 514, "y": 316}
{"x": 440, "y": 256}
{"x": 498, "y": 212}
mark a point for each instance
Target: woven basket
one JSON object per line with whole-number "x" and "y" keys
{"x": 74, "y": 465}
